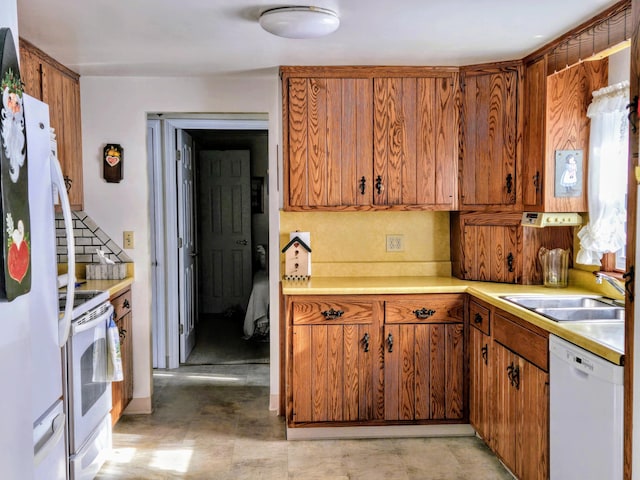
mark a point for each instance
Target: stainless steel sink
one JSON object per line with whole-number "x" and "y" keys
{"x": 583, "y": 314}
{"x": 571, "y": 308}
{"x": 552, "y": 301}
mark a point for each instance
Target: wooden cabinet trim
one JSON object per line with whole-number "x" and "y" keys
{"x": 480, "y": 317}
{"x": 365, "y": 71}
{"x": 521, "y": 339}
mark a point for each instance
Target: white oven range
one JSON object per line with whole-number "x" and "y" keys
{"x": 88, "y": 390}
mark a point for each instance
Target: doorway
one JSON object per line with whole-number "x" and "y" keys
{"x": 232, "y": 228}
{"x": 176, "y": 308}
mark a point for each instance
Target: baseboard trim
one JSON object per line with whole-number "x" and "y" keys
{"x": 138, "y": 406}
{"x": 274, "y": 403}
{"x": 390, "y": 431}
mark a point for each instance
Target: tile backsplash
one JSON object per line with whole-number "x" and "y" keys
{"x": 88, "y": 238}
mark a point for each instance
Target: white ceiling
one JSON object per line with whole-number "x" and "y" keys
{"x": 208, "y": 37}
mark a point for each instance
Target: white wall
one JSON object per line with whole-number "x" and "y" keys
{"x": 114, "y": 110}
{"x": 9, "y": 16}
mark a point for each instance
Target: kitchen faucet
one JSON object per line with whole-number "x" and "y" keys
{"x": 610, "y": 280}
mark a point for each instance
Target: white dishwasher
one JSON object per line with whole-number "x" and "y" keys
{"x": 585, "y": 414}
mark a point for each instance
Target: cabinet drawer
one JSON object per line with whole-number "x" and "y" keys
{"x": 521, "y": 340}
{"x": 331, "y": 312}
{"x": 425, "y": 309}
{"x": 479, "y": 317}
{"x": 121, "y": 304}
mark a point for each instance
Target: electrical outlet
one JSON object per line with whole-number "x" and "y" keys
{"x": 395, "y": 243}
{"x": 127, "y": 239}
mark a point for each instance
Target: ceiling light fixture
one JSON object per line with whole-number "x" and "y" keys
{"x": 299, "y": 22}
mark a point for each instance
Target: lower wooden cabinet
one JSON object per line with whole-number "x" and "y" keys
{"x": 481, "y": 402}
{"x": 509, "y": 389}
{"x": 521, "y": 421}
{"x": 122, "y": 392}
{"x": 362, "y": 359}
{"x": 335, "y": 359}
{"x": 424, "y": 358}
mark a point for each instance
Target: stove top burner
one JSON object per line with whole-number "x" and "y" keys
{"x": 83, "y": 301}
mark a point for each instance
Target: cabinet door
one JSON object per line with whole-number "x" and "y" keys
{"x": 335, "y": 368}
{"x": 521, "y": 417}
{"x": 126, "y": 350}
{"x": 480, "y": 391}
{"x": 503, "y": 432}
{"x": 489, "y": 137}
{"x": 62, "y": 94}
{"x": 329, "y": 142}
{"x": 491, "y": 253}
{"x": 30, "y": 71}
{"x": 414, "y": 141}
{"x": 535, "y": 92}
{"x": 532, "y": 427}
{"x": 424, "y": 372}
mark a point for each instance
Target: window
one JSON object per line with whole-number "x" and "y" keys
{"x": 608, "y": 156}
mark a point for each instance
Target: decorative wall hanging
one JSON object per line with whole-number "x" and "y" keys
{"x": 112, "y": 164}
{"x": 15, "y": 259}
{"x": 569, "y": 173}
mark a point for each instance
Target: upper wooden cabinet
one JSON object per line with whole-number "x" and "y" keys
{"x": 53, "y": 83}
{"x": 490, "y": 131}
{"x": 369, "y": 138}
{"x": 555, "y": 112}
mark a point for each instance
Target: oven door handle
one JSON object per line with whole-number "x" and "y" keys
{"x": 64, "y": 324}
{"x": 83, "y": 327}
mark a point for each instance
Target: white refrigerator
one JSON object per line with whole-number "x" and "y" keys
{"x": 32, "y": 418}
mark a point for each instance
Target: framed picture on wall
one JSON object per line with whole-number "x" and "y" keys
{"x": 257, "y": 195}
{"x": 568, "y": 174}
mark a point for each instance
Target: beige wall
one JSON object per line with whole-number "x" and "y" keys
{"x": 114, "y": 109}
{"x": 354, "y": 243}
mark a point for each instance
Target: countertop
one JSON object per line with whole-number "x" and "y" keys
{"x": 112, "y": 286}
{"x": 602, "y": 342}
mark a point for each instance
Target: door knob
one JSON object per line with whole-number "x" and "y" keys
{"x": 241, "y": 242}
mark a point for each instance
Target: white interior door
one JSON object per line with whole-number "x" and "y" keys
{"x": 186, "y": 244}
{"x": 224, "y": 207}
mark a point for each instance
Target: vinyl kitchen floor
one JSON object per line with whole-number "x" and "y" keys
{"x": 212, "y": 422}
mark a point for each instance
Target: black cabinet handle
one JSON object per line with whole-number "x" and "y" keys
{"x": 126, "y": 303}
{"x": 513, "y": 372}
{"x": 485, "y": 353}
{"x": 123, "y": 333}
{"x": 629, "y": 278}
{"x": 477, "y": 318}
{"x": 633, "y": 114}
{"x": 332, "y": 314}
{"x": 363, "y": 183}
{"x": 67, "y": 183}
{"x": 390, "y": 343}
{"x": 510, "y": 262}
{"x": 379, "y": 184}
{"x": 509, "y": 183}
{"x": 423, "y": 313}
{"x": 536, "y": 181}
{"x": 365, "y": 342}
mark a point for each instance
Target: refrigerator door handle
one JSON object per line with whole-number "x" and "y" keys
{"x": 64, "y": 325}
{"x": 51, "y": 442}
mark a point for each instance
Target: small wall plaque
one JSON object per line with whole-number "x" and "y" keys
{"x": 112, "y": 164}
{"x": 569, "y": 173}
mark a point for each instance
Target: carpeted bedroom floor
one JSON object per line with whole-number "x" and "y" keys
{"x": 219, "y": 341}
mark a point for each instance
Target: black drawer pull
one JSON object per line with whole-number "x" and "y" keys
{"x": 477, "y": 318}
{"x": 332, "y": 314}
{"x": 423, "y": 313}
{"x": 126, "y": 303}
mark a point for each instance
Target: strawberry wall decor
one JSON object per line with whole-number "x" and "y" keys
{"x": 15, "y": 256}
{"x": 112, "y": 163}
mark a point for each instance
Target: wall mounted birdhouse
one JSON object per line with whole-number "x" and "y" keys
{"x": 297, "y": 260}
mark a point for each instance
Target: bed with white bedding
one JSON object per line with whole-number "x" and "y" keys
{"x": 256, "y": 320}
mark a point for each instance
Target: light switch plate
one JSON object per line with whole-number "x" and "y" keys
{"x": 127, "y": 239}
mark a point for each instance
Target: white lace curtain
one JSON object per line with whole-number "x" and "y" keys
{"x": 607, "y": 177}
